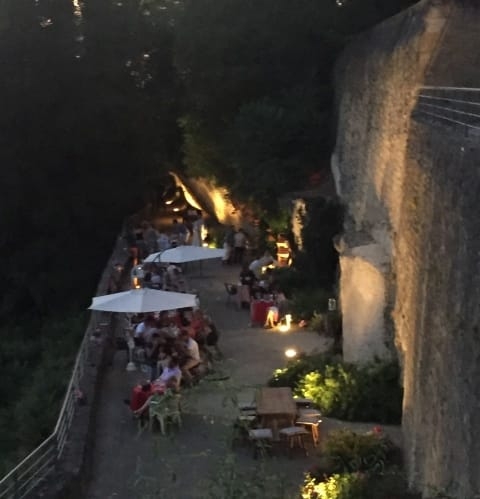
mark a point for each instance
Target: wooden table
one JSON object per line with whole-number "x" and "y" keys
{"x": 276, "y": 407}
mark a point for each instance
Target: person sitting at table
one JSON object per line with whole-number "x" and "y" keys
{"x": 156, "y": 279}
{"x": 152, "y": 348}
{"x": 273, "y": 312}
{"x": 143, "y": 331}
{"x": 196, "y": 327}
{"x": 169, "y": 380}
{"x": 190, "y": 354}
{"x": 248, "y": 281}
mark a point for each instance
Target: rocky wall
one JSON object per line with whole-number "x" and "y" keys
{"x": 411, "y": 246}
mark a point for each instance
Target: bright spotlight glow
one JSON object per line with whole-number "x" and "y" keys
{"x": 290, "y": 353}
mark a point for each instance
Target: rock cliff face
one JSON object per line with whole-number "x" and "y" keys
{"x": 406, "y": 165}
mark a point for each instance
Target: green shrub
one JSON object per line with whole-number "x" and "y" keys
{"x": 338, "y": 486}
{"x": 288, "y": 280}
{"x": 350, "y": 451}
{"x": 318, "y": 323}
{"x": 345, "y": 391}
{"x": 305, "y": 303}
{"x": 296, "y": 369}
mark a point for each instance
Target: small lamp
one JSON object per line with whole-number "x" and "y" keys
{"x": 290, "y": 353}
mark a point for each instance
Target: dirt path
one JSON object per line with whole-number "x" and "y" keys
{"x": 128, "y": 464}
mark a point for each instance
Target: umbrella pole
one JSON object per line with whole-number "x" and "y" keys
{"x": 131, "y": 365}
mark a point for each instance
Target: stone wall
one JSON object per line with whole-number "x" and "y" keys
{"x": 410, "y": 255}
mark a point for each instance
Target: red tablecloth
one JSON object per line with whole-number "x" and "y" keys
{"x": 259, "y": 310}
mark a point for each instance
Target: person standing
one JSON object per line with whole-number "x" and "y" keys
{"x": 240, "y": 243}
{"x": 197, "y": 227}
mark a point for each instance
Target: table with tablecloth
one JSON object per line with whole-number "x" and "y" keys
{"x": 259, "y": 311}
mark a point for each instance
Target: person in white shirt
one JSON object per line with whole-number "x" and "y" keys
{"x": 143, "y": 331}
{"x": 239, "y": 243}
{"x": 163, "y": 242}
{"x": 192, "y": 355}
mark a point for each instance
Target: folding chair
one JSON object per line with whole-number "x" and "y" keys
{"x": 232, "y": 291}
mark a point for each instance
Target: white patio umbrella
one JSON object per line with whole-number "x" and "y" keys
{"x": 143, "y": 300}
{"x": 184, "y": 254}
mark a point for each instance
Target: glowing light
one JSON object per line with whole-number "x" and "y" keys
{"x": 77, "y": 9}
{"x": 286, "y": 323}
{"x": 290, "y": 353}
{"x": 170, "y": 201}
{"x": 176, "y": 209}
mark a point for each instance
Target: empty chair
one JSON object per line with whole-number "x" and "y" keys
{"x": 313, "y": 423}
{"x": 294, "y": 437}
{"x": 261, "y": 438}
{"x": 232, "y": 291}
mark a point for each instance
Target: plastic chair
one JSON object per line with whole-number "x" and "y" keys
{"x": 165, "y": 408}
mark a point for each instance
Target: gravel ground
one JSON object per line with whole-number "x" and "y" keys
{"x": 129, "y": 463}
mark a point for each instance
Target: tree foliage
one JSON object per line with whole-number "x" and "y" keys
{"x": 257, "y": 87}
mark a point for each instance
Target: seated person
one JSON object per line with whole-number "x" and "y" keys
{"x": 143, "y": 330}
{"x": 247, "y": 281}
{"x": 169, "y": 379}
{"x": 191, "y": 354}
{"x": 152, "y": 348}
{"x": 197, "y": 325}
{"x": 247, "y": 277}
{"x": 156, "y": 279}
{"x": 273, "y": 312}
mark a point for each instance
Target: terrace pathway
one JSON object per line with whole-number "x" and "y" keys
{"x": 128, "y": 464}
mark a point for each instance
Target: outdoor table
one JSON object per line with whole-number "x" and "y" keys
{"x": 259, "y": 310}
{"x": 276, "y": 406}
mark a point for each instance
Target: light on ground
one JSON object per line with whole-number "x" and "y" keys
{"x": 290, "y": 353}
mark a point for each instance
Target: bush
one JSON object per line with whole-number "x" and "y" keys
{"x": 296, "y": 369}
{"x": 305, "y": 303}
{"x": 318, "y": 323}
{"x": 350, "y": 451}
{"x": 288, "y": 280}
{"x": 346, "y": 391}
{"x": 338, "y": 486}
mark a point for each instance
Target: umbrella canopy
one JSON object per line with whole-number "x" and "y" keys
{"x": 143, "y": 300}
{"x": 183, "y": 254}
{"x": 153, "y": 257}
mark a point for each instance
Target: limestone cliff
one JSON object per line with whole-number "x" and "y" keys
{"x": 406, "y": 165}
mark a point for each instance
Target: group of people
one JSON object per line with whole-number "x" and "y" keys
{"x": 168, "y": 277}
{"x": 172, "y": 346}
{"x": 144, "y": 238}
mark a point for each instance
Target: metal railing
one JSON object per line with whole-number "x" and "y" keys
{"x": 451, "y": 105}
{"x": 41, "y": 462}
